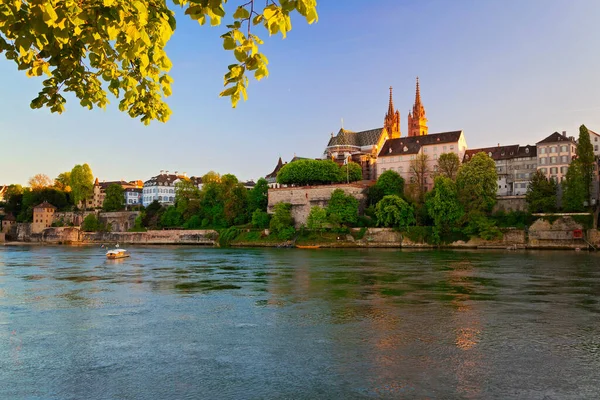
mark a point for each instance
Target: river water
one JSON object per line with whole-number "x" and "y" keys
{"x": 203, "y": 323}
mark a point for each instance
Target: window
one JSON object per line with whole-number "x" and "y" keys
{"x": 544, "y": 170}
{"x": 553, "y": 149}
{"x": 382, "y": 169}
{"x": 435, "y": 156}
{"x": 564, "y": 159}
{"x": 563, "y": 149}
{"x": 596, "y": 148}
{"x": 563, "y": 170}
{"x": 444, "y": 149}
{"x": 424, "y": 149}
{"x": 499, "y": 186}
{"x": 451, "y": 147}
{"x": 542, "y": 150}
{"x": 553, "y": 160}
{"x": 596, "y": 139}
{"x": 543, "y": 160}
{"x": 554, "y": 170}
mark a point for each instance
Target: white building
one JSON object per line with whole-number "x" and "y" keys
{"x": 162, "y": 187}
{"x": 397, "y": 154}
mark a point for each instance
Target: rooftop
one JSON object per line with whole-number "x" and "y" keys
{"x": 412, "y": 144}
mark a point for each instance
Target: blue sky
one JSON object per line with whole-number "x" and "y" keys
{"x": 508, "y": 72}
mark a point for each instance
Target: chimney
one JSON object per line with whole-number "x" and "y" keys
{"x": 498, "y": 144}
{"x": 162, "y": 172}
{"x": 565, "y": 133}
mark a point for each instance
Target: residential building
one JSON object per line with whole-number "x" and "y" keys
{"x": 8, "y": 222}
{"x": 595, "y": 139}
{"x": 162, "y": 187}
{"x": 397, "y": 154}
{"x": 133, "y": 196}
{"x": 272, "y": 177}
{"x": 554, "y": 155}
{"x": 43, "y": 216}
{"x": 515, "y": 165}
{"x": 131, "y": 193}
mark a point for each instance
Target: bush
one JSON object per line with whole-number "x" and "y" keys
{"x": 479, "y": 225}
{"x": 316, "y": 218}
{"x": 343, "y": 208}
{"x": 282, "y": 218}
{"x": 392, "y": 211}
{"x": 309, "y": 172}
{"x": 260, "y": 219}
{"x": 286, "y": 233}
{"x": 193, "y": 223}
{"x": 227, "y": 235}
{"x": 91, "y": 224}
{"x": 419, "y": 234}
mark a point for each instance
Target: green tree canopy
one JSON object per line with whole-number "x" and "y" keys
{"x": 448, "y": 165}
{"x": 91, "y": 224}
{"x": 443, "y": 205}
{"x": 393, "y": 211}
{"x": 235, "y": 205}
{"x": 575, "y": 187}
{"x": 258, "y": 197}
{"x": 82, "y": 184}
{"x": 343, "y": 208}
{"x": 63, "y": 181}
{"x": 476, "y": 183}
{"x": 282, "y": 220}
{"x": 317, "y": 218}
{"x": 350, "y": 172}
{"x": 171, "y": 218}
{"x": 260, "y": 219}
{"x": 14, "y": 199}
{"x": 390, "y": 183}
{"x": 585, "y": 155}
{"x": 187, "y": 198}
{"x": 309, "y": 172}
{"x": 89, "y": 47}
{"x": 541, "y": 194}
{"x": 114, "y": 199}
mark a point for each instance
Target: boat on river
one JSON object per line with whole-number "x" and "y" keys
{"x": 298, "y": 246}
{"x": 116, "y": 254}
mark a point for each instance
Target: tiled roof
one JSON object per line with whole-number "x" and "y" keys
{"x": 412, "y": 144}
{"x": 196, "y": 180}
{"x": 123, "y": 184}
{"x": 349, "y": 138}
{"x": 556, "y": 137}
{"x": 527, "y": 151}
{"x": 163, "y": 180}
{"x": 44, "y": 205}
{"x": 276, "y": 170}
{"x": 10, "y": 217}
{"x": 496, "y": 152}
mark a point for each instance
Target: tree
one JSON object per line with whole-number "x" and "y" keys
{"x": 187, "y": 198}
{"x": 152, "y": 214}
{"x": 418, "y": 175}
{"x": 342, "y": 207}
{"x": 39, "y": 181}
{"x": 390, "y": 183}
{"x": 317, "y": 217}
{"x": 574, "y": 187}
{"x": 235, "y": 205}
{"x": 443, "y": 206}
{"x": 260, "y": 219}
{"x": 541, "y": 194}
{"x": 350, "y": 172}
{"x": 476, "y": 183}
{"x": 171, "y": 218}
{"x": 282, "y": 223}
{"x": 91, "y": 224}
{"x": 258, "y": 198}
{"x": 82, "y": 184}
{"x": 585, "y": 155}
{"x": 448, "y": 165}
{"x": 14, "y": 199}
{"x": 393, "y": 211}
{"x": 87, "y": 47}
{"x": 211, "y": 177}
{"x": 63, "y": 181}
{"x": 309, "y": 172}
{"x": 115, "y": 198}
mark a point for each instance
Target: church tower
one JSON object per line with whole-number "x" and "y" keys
{"x": 391, "y": 122}
{"x": 417, "y": 122}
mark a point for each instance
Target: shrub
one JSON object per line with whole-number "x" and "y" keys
{"x": 282, "y": 218}
{"x": 343, "y": 207}
{"x": 392, "y": 211}
{"x": 91, "y": 224}
{"x": 316, "y": 218}
{"x": 260, "y": 219}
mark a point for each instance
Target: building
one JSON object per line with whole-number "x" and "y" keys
{"x": 131, "y": 193}
{"x": 417, "y": 122}
{"x": 272, "y": 177}
{"x": 362, "y": 147}
{"x": 43, "y": 216}
{"x": 595, "y": 139}
{"x": 554, "y": 155}
{"x": 397, "y": 154}
{"x": 515, "y": 165}
{"x": 133, "y": 196}
{"x": 8, "y": 222}
{"x": 162, "y": 187}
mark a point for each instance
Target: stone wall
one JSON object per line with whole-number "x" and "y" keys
{"x": 304, "y": 197}
{"x": 542, "y": 233}
{"x": 74, "y": 218}
{"x": 198, "y": 237}
{"x": 2, "y": 237}
{"x": 510, "y": 203}
{"x": 120, "y": 221}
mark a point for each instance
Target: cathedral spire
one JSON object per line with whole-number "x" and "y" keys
{"x": 417, "y": 122}
{"x": 391, "y": 122}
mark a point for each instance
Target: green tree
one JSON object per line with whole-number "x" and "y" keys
{"x": 89, "y": 47}
{"x": 63, "y": 181}
{"x": 390, "y": 183}
{"x": 574, "y": 187}
{"x": 82, "y": 184}
{"x": 309, "y": 172}
{"x": 317, "y": 217}
{"x": 282, "y": 223}
{"x": 212, "y": 208}
{"x": 171, "y": 218}
{"x": 448, "y": 165}
{"x": 342, "y": 207}
{"x": 91, "y": 224}
{"x": 476, "y": 183}
{"x": 14, "y": 199}
{"x": 258, "y": 197}
{"x": 443, "y": 206}
{"x": 393, "y": 211}
{"x": 374, "y": 195}
{"x": 152, "y": 215}
{"x": 585, "y": 155}
{"x": 115, "y": 198}
{"x": 350, "y": 172}
{"x": 260, "y": 219}
{"x": 541, "y": 194}
{"x": 235, "y": 205}
{"x": 187, "y": 198}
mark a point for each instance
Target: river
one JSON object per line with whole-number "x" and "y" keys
{"x": 204, "y": 323}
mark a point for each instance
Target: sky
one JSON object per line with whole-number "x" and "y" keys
{"x": 503, "y": 71}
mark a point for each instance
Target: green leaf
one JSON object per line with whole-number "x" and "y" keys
{"x": 241, "y": 13}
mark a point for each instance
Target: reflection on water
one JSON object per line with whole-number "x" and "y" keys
{"x": 184, "y": 322}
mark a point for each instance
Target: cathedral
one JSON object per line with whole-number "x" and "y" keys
{"x": 363, "y": 147}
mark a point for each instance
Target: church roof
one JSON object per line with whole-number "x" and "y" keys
{"x": 350, "y": 138}
{"x": 412, "y": 144}
{"x": 556, "y": 137}
{"x": 276, "y": 170}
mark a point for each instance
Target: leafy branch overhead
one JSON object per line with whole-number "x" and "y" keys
{"x": 89, "y": 47}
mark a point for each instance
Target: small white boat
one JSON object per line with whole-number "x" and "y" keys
{"x": 117, "y": 253}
